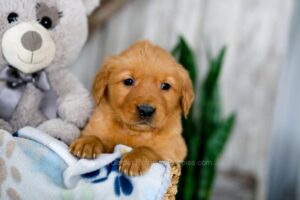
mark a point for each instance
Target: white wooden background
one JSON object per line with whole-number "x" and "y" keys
{"x": 284, "y": 173}
{"x": 255, "y": 32}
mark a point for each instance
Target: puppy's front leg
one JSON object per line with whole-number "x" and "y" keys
{"x": 138, "y": 161}
{"x": 87, "y": 147}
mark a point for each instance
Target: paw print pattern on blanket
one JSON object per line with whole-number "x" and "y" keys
{"x": 23, "y": 165}
{"x": 6, "y": 173}
{"x": 122, "y": 184}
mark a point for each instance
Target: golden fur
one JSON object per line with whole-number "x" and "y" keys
{"x": 116, "y": 121}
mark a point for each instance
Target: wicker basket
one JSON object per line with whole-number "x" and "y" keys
{"x": 175, "y": 173}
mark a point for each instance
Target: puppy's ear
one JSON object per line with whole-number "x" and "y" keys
{"x": 101, "y": 84}
{"x": 188, "y": 95}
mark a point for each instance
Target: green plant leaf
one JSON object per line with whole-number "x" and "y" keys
{"x": 208, "y": 173}
{"x": 214, "y": 73}
{"x": 210, "y": 111}
{"x": 185, "y": 56}
{"x": 210, "y": 124}
{"x": 214, "y": 148}
{"x": 205, "y": 132}
{"x": 210, "y": 104}
{"x": 216, "y": 143}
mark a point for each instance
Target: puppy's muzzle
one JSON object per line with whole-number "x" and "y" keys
{"x": 145, "y": 111}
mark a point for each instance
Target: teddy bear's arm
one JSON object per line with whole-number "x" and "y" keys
{"x": 4, "y": 125}
{"x": 74, "y": 101}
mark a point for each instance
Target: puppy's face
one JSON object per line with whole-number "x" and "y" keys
{"x": 144, "y": 87}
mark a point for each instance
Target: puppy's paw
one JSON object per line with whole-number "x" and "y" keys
{"x": 88, "y": 147}
{"x": 137, "y": 162}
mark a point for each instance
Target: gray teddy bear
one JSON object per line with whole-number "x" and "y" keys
{"x": 39, "y": 39}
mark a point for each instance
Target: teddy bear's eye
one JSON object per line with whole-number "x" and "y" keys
{"x": 12, "y": 17}
{"x": 48, "y": 16}
{"x": 46, "y": 22}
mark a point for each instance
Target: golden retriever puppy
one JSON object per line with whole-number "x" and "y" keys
{"x": 140, "y": 96}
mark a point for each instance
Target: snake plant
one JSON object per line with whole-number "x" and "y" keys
{"x": 206, "y": 131}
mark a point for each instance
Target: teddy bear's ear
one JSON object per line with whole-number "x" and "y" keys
{"x": 90, "y": 5}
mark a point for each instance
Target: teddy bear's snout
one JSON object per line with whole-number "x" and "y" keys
{"x": 28, "y": 47}
{"x": 32, "y": 41}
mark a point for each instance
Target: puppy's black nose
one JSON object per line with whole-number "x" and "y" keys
{"x": 146, "y": 110}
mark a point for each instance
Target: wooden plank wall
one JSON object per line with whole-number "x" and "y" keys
{"x": 255, "y": 32}
{"x": 284, "y": 176}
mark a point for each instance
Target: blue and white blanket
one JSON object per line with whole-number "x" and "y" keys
{"x": 35, "y": 166}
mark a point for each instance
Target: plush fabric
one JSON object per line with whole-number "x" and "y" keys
{"x": 68, "y": 32}
{"x": 34, "y": 166}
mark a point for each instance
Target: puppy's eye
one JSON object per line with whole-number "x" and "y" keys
{"x": 12, "y": 17}
{"x": 128, "y": 82}
{"x": 165, "y": 86}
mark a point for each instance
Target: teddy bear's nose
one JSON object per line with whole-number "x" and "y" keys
{"x": 32, "y": 40}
